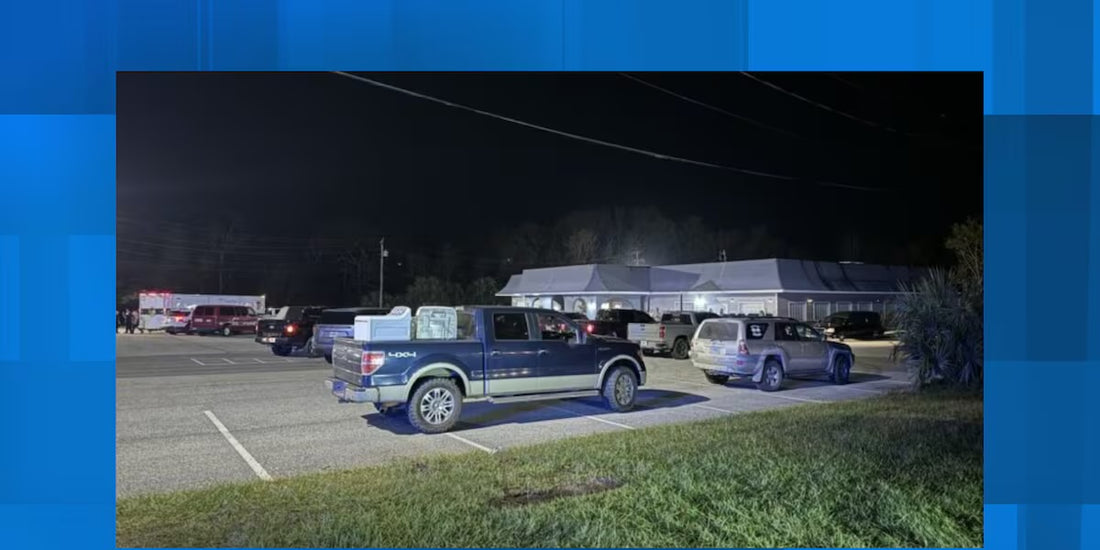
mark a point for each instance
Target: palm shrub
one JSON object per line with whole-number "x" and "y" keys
{"x": 940, "y": 332}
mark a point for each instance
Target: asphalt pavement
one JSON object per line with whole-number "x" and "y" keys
{"x": 194, "y": 411}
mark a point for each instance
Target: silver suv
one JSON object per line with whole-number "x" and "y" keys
{"x": 767, "y": 349}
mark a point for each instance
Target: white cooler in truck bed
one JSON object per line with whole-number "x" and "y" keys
{"x": 394, "y": 326}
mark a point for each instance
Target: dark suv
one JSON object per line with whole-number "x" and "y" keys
{"x": 852, "y": 324}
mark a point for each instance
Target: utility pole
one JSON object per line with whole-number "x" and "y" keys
{"x": 381, "y": 267}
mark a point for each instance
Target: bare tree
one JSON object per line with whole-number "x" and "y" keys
{"x": 582, "y": 246}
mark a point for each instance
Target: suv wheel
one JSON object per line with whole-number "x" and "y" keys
{"x": 281, "y": 351}
{"x": 227, "y": 331}
{"x": 719, "y": 379}
{"x": 435, "y": 405}
{"x": 842, "y": 368}
{"x": 620, "y": 389}
{"x": 328, "y": 358}
{"x": 772, "y": 377}
{"x": 680, "y": 348}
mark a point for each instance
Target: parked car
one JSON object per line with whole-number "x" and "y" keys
{"x": 852, "y": 324}
{"x": 767, "y": 350}
{"x": 501, "y": 355}
{"x": 338, "y": 323}
{"x": 576, "y": 316}
{"x": 178, "y": 322}
{"x": 223, "y": 319}
{"x": 613, "y": 322}
{"x": 672, "y": 335}
{"x": 290, "y": 330}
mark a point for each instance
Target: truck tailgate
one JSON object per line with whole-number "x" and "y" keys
{"x": 638, "y": 332}
{"x": 347, "y": 360}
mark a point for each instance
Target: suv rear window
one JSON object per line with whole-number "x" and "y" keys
{"x": 719, "y": 331}
{"x": 756, "y": 331}
{"x": 678, "y": 318}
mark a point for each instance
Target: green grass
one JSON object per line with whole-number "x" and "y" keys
{"x": 899, "y": 470}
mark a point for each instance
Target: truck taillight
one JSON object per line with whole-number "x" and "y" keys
{"x": 661, "y": 332}
{"x": 291, "y": 329}
{"x": 742, "y": 348}
{"x": 371, "y": 361}
{"x": 589, "y": 327}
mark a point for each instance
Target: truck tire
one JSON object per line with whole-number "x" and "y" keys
{"x": 435, "y": 405}
{"x": 842, "y": 368}
{"x": 719, "y": 379}
{"x": 227, "y": 330}
{"x": 620, "y": 389}
{"x": 680, "y": 348}
{"x": 281, "y": 351}
{"x": 328, "y": 358}
{"x": 772, "y": 377}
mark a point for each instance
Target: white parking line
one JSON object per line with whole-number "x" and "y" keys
{"x": 199, "y": 362}
{"x": 709, "y": 408}
{"x": 793, "y": 398}
{"x": 596, "y": 418}
{"x": 260, "y": 471}
{"x": 228, "y": 361}
{"x": 470, "y": 443}
{"x": 257, "y": 360}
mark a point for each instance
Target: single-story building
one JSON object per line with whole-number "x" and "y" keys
{"x": 801, "y": 289}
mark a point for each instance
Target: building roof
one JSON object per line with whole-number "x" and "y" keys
{"x": 773, "y": 275}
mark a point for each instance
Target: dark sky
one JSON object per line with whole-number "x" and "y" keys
{"x": 303, "y": 147}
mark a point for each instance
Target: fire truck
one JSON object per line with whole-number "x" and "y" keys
{"x": 166, "y": 310}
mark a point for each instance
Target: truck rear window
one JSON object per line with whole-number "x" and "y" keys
{"x": 347, "y": 317}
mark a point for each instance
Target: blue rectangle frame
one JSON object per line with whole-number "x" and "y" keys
{"x": 1042, "y": 196}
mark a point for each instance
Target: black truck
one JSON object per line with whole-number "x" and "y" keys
{"x": 290, "y": 330}
{"x": 613, "y": 322}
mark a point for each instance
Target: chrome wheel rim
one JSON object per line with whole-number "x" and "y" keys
{"x": 624, "y": 390}
{"x": 773, "y": 376}
{"x": 437, "y": 406}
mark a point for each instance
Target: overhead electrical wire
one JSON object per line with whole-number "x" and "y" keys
{"x": 604, "y": 143}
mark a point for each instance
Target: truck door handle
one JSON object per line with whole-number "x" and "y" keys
{"x": 495, "y": 353}
{"x": 544, "y": 352}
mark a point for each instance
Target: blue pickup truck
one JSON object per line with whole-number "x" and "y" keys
{"x": 501, "y": 355}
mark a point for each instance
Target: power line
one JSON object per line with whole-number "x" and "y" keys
{"x": 595, "y": 141}
{"x": 819, "y": 104}
{"x": 742, "y": 118}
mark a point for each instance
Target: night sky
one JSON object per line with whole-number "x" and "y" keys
{"x": 282, "y": 152}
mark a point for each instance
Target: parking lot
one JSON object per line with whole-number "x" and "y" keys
{"x": 194, "y": 411}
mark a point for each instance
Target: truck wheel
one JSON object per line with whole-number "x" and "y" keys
{"x": 772, "y": 377}
{"x": 680, "y": 348}
{"x": 435, "y": 405}
{"x": 842, "y": 368}
{"x": 281, "y": 351}
{"x": 227, "y": 331}
{"x": 328, "y": 358}
{"x": 620, "y": 389}
{"x": 719, "y": 379}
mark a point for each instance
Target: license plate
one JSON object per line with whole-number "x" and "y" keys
{"x": 269, "y": 340}
{"x": 338, "y": 386}
{"x": 647, "y": 344}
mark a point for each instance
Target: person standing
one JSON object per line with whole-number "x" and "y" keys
{"x": 130, "y": 321}
{"x": 118, "y": 320}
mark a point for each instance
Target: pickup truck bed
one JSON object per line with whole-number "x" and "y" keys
{"x": 672, "y": 335}
{"x": 504, "y": 354}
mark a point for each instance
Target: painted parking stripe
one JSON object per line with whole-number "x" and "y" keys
{"x": 199, "y": 362}
{"x": 793, "y": 398}
{"x": 252, "y": 463}
{"x": 256, "y": 359}
{"x": 596, "y": 418}
{"x": 228, "y": 361}
{"x": 470, "y": 443}
{"x": 709, "y": 408}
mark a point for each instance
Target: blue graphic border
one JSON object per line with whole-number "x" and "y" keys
{"x": 1042, "y": 197}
